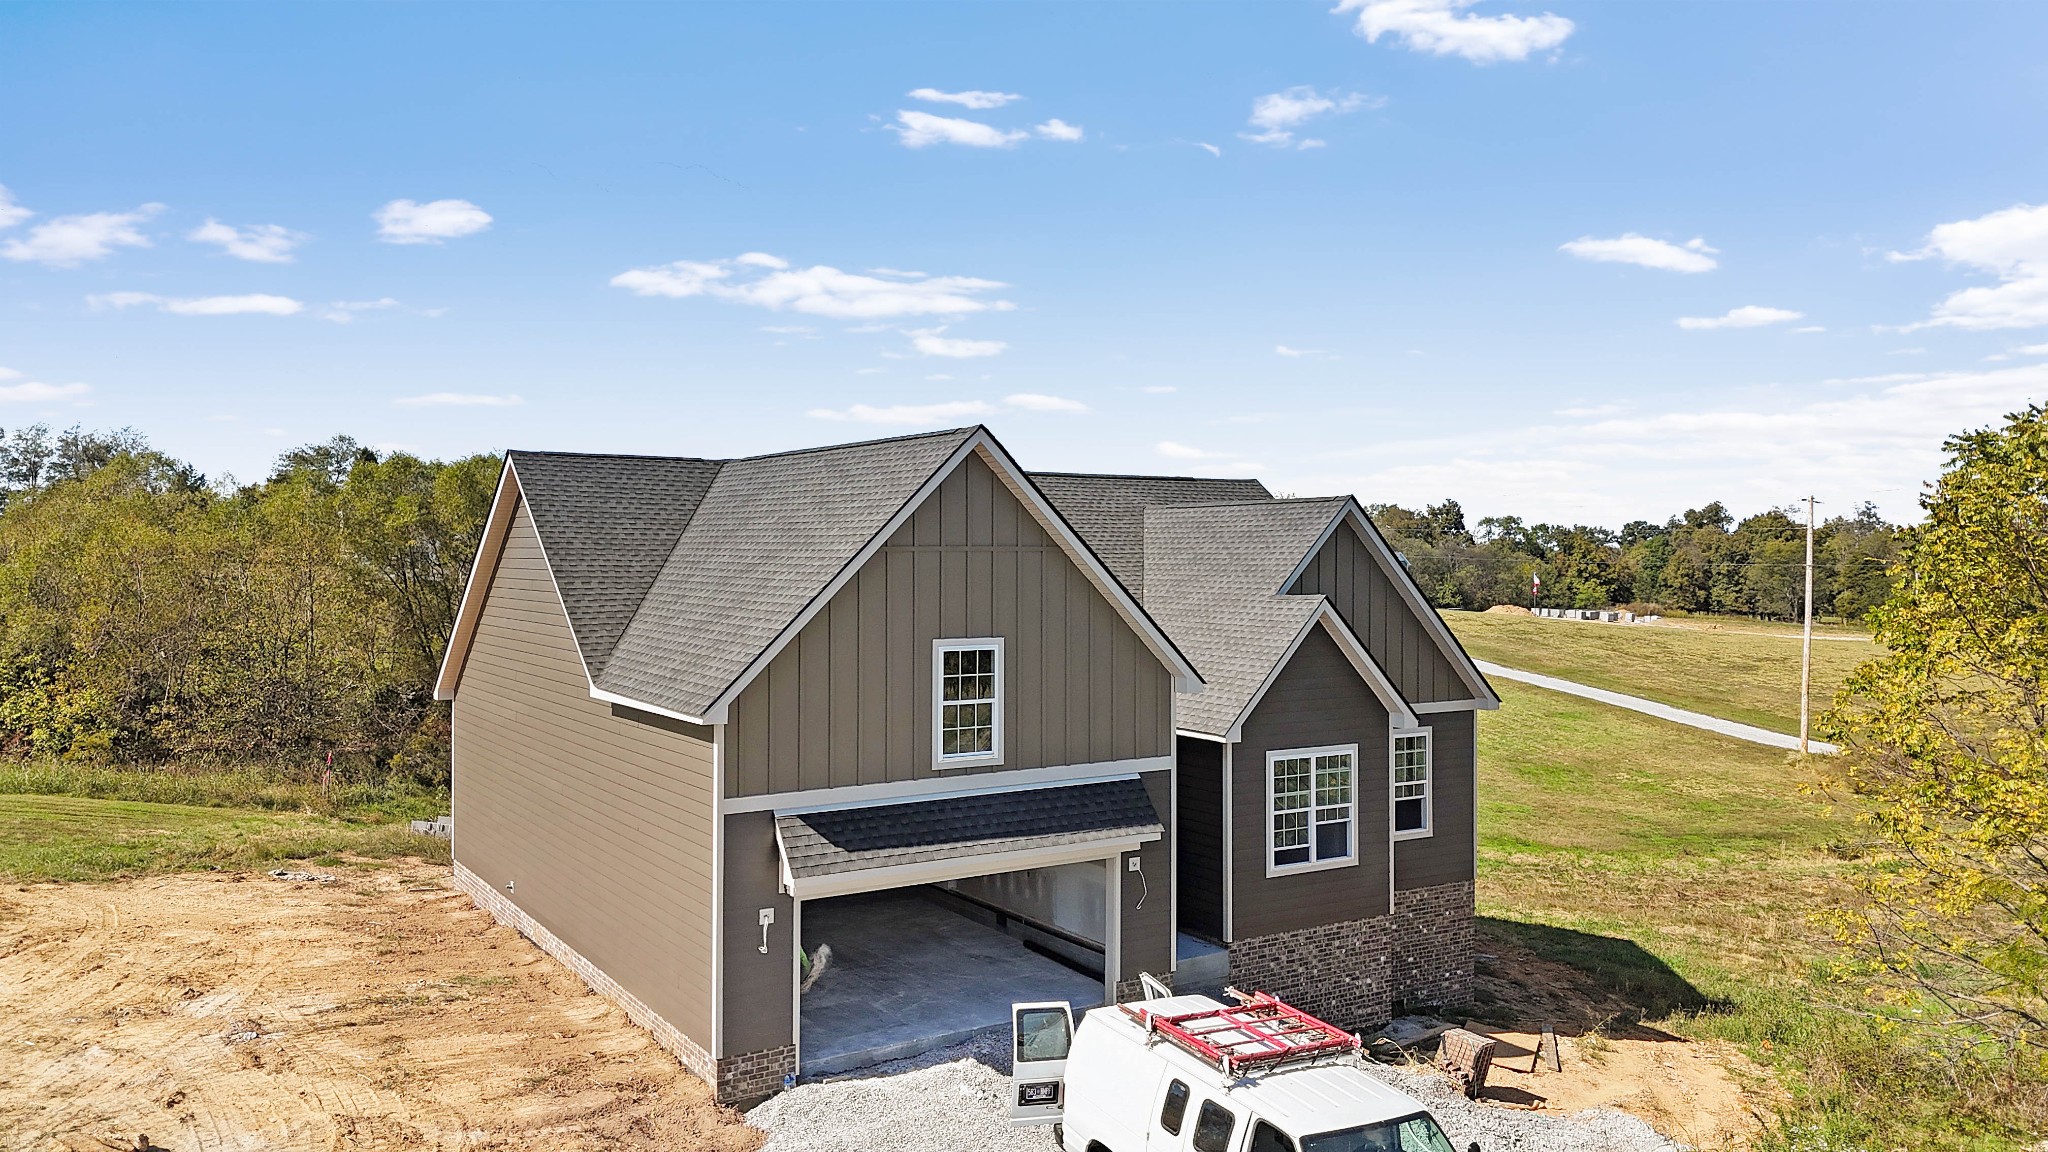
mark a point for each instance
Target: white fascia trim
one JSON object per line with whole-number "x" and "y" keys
{"x": 1186, "y": 677}
{"x": 708, "y": 719}
{"x": 1405, "y": 584}
{"x": 959, "y": 867}
{"x": 490, "y": 547}
{"x": 1199, "y": 735}
{"x": 898, "y": 791}
{"x": 1362, "y": 662}
{"x": 1432, "y": 706}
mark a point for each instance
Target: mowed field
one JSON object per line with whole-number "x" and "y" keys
{"x": 1741, "y": 670}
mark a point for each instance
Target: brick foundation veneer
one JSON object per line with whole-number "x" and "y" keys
{"x": 1432, "y": 944}
{"x": 1340, "y": 972}
{"x": 752, "y": 1076}
{"x": 504, "y": 911}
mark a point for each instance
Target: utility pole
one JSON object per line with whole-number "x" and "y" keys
{"x": 1806, "y": 645}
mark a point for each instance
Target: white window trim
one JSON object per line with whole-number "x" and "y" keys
{"x": 1349, "y": 861}
{"x": 940, "y": 761}
{"x": 1428, "y": 828}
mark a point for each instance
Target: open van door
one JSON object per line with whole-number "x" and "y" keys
{"x": 1040, "y": 1036}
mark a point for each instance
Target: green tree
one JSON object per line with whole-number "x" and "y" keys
{"x": 1948, "y": 738}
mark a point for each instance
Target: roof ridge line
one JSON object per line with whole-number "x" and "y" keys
{"x": 960, "y": 431}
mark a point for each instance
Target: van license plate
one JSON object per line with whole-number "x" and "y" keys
{"x": 1045, "y": 1092}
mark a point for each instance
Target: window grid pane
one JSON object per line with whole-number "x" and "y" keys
{"x": 967, "y": 694}
{"x": 1411, "y": 767}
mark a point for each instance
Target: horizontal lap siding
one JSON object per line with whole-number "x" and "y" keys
{"x": 1444, "y": 856}
{"x": 1318, "y": 700}
{"x": 1200, "y": 877}
{"x": 849, "y": 701}
{"x": 1347, "y": 572}
{"x": 602, "y": 823}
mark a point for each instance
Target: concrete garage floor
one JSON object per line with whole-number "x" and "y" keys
{"x": 908, "y": 976}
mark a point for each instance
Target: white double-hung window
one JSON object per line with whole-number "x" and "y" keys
{"x": 967, "y": 705}
{"x": 1311, "y": 808}
{"x": 1410, "y": 774}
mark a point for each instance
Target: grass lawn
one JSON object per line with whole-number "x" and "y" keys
{"x": 80, "y": 838}
{"x": 1748, "y": 674}
{"x": 1681, "y": 871}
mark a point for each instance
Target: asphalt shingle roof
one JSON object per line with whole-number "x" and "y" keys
{"x": 1213, "y": 575}
{"x": 856, "y": 839}
{"x": 769, "y": 534}
{"x": 1109, "y": 511}
{"x": 608, "y": 524}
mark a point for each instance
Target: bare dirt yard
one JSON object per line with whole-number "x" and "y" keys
{"x": 380, "y": 1011}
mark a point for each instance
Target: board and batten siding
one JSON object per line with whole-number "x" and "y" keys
{"x": 1345, "y": 570}
{"x": 601, "y": 824}
{"x": 1317, "y": 700}
{"x": 1445, "y": 855}
{"x": 849, "y": 700}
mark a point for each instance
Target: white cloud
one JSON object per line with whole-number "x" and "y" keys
{"x": 947, "y": 411}
{"x": 1211, "y": 149}
{"x": 922, "y": 129}
{"x": 1808, "y": 328}
{"x": 970, "y": 99}
{"x": 2032, "y": 350}
{"x": 1297, "y": 353}
{"x": 1277, "y": 114}
{"x": 1630, "y": 248}
{"x": 9, "y": 374}
{"x": 262, "y": 243}
{"x": 760, "y": 260}
{"x": 67, "y": 241}
{"x": 459, "y": 400}
{"x": 931, "y": 342}
{"x": 1058, "y": 129}
{"x": 32, "y": 391}
{"x": 938, "y": 376}
{"x": 1590, "y": 410}
{"x": 344, "y": 311}
{"x": 1443, "y": 28}
{"x": 255, "y": 303}
{"x": 2011, "y": 244}
{"x": 1038, "y": 402}
{"x": 1177, "y": 451}
{"x": 410, "y": 222}
{"x": 1747, "y": 316}
{"x": 11, "y": 212}
{"x": 1877, "y": 441}
{"x": 817, "y": 291}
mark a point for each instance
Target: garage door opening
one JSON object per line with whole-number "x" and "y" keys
{"x": 918, "y": 968}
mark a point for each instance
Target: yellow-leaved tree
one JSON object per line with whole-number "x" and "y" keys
{"x": 1945, "y": 736}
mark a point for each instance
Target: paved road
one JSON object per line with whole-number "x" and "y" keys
{"x": 1748, "y": 732}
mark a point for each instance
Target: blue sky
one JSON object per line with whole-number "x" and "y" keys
{"x": 1405, "y": 248}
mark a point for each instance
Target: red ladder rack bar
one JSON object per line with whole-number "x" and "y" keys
{"x": 1262, "y": 1029}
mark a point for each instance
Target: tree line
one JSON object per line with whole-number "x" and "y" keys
{"x": 149, "y": 616}
{"x": 1702, "y": 560}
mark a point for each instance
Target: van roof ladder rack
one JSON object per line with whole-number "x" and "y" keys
{"x": 1261, "y": 1030}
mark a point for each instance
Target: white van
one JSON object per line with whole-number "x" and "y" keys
{"x": 1188, "y": 1074}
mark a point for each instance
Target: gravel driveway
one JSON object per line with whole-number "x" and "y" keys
{"x": 955, "y": 1099}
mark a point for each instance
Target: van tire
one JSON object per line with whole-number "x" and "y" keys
{"x": 1097, "y": 1146}
{"x": 1059, "y": 1136}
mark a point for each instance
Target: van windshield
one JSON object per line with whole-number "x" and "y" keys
{"x": 1417, "y": 1133}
